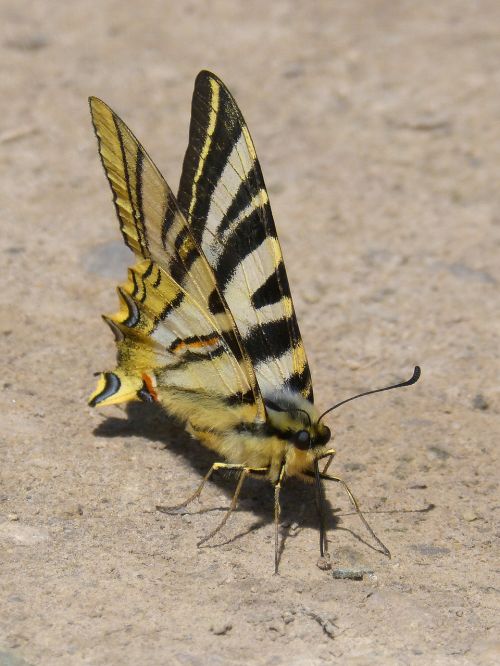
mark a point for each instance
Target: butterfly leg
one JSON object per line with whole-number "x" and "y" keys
{"x": 277, "y": 513}
{"x": 329, "y": 454}
{"x": 197, "y": 492}
{"x": 355, "y": 504}
{"x": 245, "y": 471}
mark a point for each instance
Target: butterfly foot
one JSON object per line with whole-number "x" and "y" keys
{"x": 324, "y": 563}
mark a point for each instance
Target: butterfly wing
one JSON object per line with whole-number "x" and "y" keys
{"x": 223, "y": 196}
{"x": 177, "y": 341}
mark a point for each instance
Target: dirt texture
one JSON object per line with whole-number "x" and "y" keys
{"x": 377, "y": 125}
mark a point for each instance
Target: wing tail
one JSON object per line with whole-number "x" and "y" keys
{"x": 115, "y": 387}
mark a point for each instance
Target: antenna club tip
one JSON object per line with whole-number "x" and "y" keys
{"x": 416, "y": 374}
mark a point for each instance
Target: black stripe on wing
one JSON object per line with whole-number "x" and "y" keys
{"x": 212, "y": 136}
{"x": 249, "y": 195}
{"x": 133, "y": 190}
{"x": 269, "y": 291}
{"x": 277, "y": 332}
{"x": 242, "y": 241}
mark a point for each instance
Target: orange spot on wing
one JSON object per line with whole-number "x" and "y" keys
{"x": 148, "y": 380}
{"x": 205, "y": 343}
{"x": 195, "y": 344}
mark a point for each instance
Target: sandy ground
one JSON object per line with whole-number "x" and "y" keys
{"x": 378, "y": 128}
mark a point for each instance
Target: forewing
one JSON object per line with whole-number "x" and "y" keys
{"x": 223, "y": 195}
{"x": 174, "y": 330}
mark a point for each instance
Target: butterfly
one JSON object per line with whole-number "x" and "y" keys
{"x": 206, "y": 325}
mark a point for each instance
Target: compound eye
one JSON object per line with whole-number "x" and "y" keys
{"x": 302, "y": 439}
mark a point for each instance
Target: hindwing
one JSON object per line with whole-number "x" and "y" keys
{"x": 175, "y": 334}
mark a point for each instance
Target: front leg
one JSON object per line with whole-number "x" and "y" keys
{"x": 330, "y": 455}
{"x": 245, "y": 471}
{"x": 355, "y": 504}
{"x": 197, "y": 492}
{"x": 277, "y": 512}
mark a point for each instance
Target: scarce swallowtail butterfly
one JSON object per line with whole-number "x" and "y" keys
{"x": 206, "y": 325}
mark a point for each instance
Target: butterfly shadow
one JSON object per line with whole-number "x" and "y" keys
{"x": 297, "y": 499}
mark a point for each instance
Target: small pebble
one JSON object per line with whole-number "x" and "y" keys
{"x": 350, "y": 574}
{"x": 276, "y": 625}
{"x": 480, "y": 402}
{"x": 221, "y": 628}
{"x": 70, "y": 509}
{"x": 436, "y": 452}
{"x": 469, "y": 516}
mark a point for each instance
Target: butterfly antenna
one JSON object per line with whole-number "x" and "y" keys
{"x": 413, "y": 379}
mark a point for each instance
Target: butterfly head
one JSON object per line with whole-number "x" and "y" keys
{"x": 311, "y": 437}
{"x": 295, "y": 420}
{"x": 307, "y": 443}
